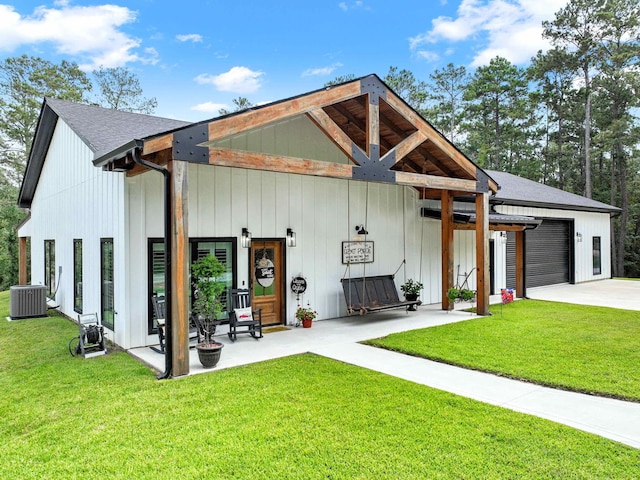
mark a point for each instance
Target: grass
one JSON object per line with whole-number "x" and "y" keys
{"x": 298, "y": 417}
{"x": 574, "y": 347}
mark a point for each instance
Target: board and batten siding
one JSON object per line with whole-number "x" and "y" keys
{"x": 589, "y": 224}
{"x": 75, "y": 200}
{"x": 323, "y": 212}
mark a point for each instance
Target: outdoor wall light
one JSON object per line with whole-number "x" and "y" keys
{"x": 245, "y": 240}
{"x": 361, "y": 230}
{"x": 503, "y": 237}
{"x": 578, "y": 237}
{"x": 291, "y": 238}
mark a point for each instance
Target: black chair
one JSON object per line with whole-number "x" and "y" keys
{"x": 158, "y": 304}
{"x": 242, "y": 318}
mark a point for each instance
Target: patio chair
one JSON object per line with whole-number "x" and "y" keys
{"x": 158, "y": 304}
{"x": 242, "y": 318}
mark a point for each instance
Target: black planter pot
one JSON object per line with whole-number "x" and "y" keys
{"x": 209, "y": 353}
{"x": 411, "y": 297}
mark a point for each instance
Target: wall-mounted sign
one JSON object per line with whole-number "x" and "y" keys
{"x": 298, "y": 285}
{"x": 357, "y": 252}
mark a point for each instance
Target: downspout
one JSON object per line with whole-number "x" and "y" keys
{"x": 168, "y": 354}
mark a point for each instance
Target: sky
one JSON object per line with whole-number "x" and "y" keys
{"x": 196, "y": 56}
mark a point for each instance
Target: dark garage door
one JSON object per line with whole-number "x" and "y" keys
{"x": 548, "y": 254}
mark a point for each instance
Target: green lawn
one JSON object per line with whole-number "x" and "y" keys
{"x": 575, "y": 347}
{"x": 299, "y": 417}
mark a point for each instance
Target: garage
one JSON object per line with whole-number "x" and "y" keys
{"x": 548, "y": 254}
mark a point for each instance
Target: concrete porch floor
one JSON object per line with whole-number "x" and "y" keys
{"x": 296, "y": 340}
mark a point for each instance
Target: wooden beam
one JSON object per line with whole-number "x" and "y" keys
{"x": 435, "y": 137}
{"x": 521, "y": 291}
{"x": 225, "y": 157}
{"x": 482, "y": 253}
{"x": 433, "y": 181}
{"x": 249, "y": 119}
{"x": 447, "y": 247}
{"x": 333, "y": 132}
{"x": 22, "y": 261}
{"x": 180, "y": 267}
{"x": 492, "y": 227}
{"x": 373, "y": 126}
{"x": 406, "y": 146}
{"x": 157, "y": 144}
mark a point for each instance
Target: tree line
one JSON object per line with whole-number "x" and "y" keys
{"x": 568, "y": 120}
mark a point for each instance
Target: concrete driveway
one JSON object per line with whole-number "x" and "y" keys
{"x": 623, "y": 294}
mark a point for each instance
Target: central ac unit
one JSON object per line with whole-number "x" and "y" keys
{"x": 27, "y": 301}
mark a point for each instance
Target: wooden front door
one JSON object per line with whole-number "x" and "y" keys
{"x": 267, "y": 278}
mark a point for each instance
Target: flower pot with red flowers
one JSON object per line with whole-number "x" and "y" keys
{"x": 305, "y": 316}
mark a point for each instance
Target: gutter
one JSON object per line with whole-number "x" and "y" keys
{"x": 168, "y": 354}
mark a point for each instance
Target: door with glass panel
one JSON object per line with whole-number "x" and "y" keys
{"x": 267, "y": 274}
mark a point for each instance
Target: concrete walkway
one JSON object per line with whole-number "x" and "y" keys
{"x": 338, "y": 339}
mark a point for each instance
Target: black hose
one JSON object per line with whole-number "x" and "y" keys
{"x": 168, "y": 354}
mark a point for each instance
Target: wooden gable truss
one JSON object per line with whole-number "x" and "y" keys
{"x": 385, "y": 141}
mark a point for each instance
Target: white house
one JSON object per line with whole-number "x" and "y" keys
{"x": 317, "y": 168}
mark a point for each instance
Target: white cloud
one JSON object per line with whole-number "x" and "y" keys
{"x": 357, "y": 5}
{"x": 210, "y": 107}
{"x": 509, "y": 28}
{"x": 190, "y": 37}
{"x": 236, "y": 80}
{"x": 310, "y": 72}
{"x": 88, "y": 32}
{"x": 428, "y": 55}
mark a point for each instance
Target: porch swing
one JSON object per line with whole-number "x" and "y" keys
{"x": 370, "y": 294}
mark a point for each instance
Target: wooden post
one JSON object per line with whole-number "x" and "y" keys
{"x": 180, "y": 267}
{"x": 447, "y": 246}
{"x": 520, "y": 287}
{"x": 22, "y": 261}
{"x": 482, "y": 253}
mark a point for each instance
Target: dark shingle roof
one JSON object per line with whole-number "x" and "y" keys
{"x": 101, "y": 129}
{"x": 104, "y": 129}
{"x": 516, "y": 190}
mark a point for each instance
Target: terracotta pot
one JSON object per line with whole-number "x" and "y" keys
{"x": 306, "y": 323}
{"x": 209, "y": 353}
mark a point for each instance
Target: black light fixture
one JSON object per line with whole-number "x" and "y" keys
{"x": 291, "y": 238}
{"x": 245, "y": 240}
{"x": 360, "y": 230}
{"x": 578, "y": 237}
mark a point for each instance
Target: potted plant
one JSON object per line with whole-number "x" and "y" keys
{"x": 207, "y": 306}
{"x": 460, "y": 295}
{"x": 305, "y": 316}
{"x": 411, "y": 290}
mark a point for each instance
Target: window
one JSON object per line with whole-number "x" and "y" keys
{"x": 597, "y": 256}
{"x": 77, "y": 275}
{"x": 50, "y": 267}
{"x": 224, "y": 250}
{"x": 106, "y": 282}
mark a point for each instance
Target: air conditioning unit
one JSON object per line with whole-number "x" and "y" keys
{"x": 27, "y": 301}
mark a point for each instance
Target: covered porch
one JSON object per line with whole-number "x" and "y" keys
{"x": 323, "y": 334}
{"x": 379, "y": 139}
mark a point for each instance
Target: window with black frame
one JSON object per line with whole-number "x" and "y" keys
{"x": 106, "y": 281}
{"x": 597, "y": 256}
{"x": 50, "y": 267}
{"x": 77, "y": 275}
{"x": 224, "y": 249}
